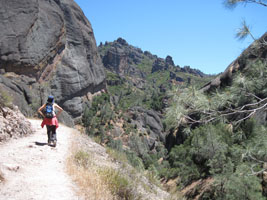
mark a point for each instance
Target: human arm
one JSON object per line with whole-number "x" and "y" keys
{"x": 58, "y": 108}
{"x": 40, "y": 110}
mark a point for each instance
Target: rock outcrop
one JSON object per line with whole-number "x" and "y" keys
{"x": 196, "y": 72}
{"x": 255, "y": 51}
{"x": 13, "y": 124}
{"x": 148, "y": 121}
{"x": 161, "y": 64}
{"x": 122, "y": 58}
{"x": 173, "y": 76}
{"x": 127, "y": 60}
{"x": 53, "y": 45}
{"x": 141, "y": 75}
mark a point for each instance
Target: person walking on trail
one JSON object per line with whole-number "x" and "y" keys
{"x": 50, "y": 119}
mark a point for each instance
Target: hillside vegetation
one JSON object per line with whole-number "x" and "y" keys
{"x": 223, "y": 131}
{"x": 129, "y": 116}
{"x": 206, "y": 135}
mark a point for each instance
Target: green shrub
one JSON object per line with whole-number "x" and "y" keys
{"x": 182, "y": 165}
{"x": 118, "y": 184}
{"x": 136, "y": 145}
{"x": 208, "y": 143}
{"x": 87, "y": 117}
{"x": 156, "y": 102}
{"x": 115, "y": 144}
{"x": 238, "y": 185}
{"x": 134, "y": 160}
{"x": 147, "y": 160}
{"x": 223, "y": 141}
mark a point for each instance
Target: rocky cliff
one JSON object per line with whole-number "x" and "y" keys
{"x": 131, "y": 113}
{"x": 126, "y": 60}
{"x": 48, "y": 47}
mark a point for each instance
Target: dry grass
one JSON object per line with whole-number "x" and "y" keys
{"x": 95, "y": 182}
{"x": 103, "y": 174}
{"x": 83, "y": 171}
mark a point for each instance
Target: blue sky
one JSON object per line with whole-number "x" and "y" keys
{"x": 197, "y": 33}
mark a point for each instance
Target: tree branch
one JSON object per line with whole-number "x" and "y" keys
{"x": 256, "y": 173}
{"x": 211, "y": 115}
{"x": 258, "y": 2}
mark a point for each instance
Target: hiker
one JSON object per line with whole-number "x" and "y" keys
{"x": 50, "y": 119}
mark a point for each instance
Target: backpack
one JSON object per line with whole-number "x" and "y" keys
{"x": 49, "y": 111}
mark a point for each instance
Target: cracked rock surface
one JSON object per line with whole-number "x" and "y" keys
{"x": 51, "y": 42}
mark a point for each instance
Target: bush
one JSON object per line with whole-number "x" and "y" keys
{"x": 118, "y": 184}
{"x": 87, "y": 117}
{"x": 156, "y": 101}
{"x": 204, "y": 153}
{"x": 182, "y": 165}
{"x": 115, "y": 144}
{"x": 224, "y": 142}
{"x": 99, "y": 104}
{"x": 238, "y": 185}
{"x": 134, "y": 160}
{"x": 209, "y": 145}
{"x": 136, "y": 145}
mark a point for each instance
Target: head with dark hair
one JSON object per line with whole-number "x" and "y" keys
{"x": 50, "y": 99}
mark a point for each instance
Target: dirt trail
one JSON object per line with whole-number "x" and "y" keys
{"x": 35, "y": 171}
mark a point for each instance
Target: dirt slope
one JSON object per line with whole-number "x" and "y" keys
{"x": 34, "y": 171}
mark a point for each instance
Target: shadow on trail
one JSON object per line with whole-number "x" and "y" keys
{"x": 40, "y": 143}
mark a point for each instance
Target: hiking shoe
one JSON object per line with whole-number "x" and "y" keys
{"x": 54, "y": 143}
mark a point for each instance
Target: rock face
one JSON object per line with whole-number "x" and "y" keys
{"x": 188, "y": 69}
{"x": 257, "y": 50}
{"x": 125, "y": 59}
{"x": 161, "y": 64}
{"x": 169, "y": 60}
{"x": 51, "y": 42}
{"x": 148, "y": 121}
{"x": 122, "y": 58}
{"x": 148, "y": 78}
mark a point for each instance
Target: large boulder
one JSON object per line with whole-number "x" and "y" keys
{"x": 148, "y": 121}
{"x": 52, "y": 42}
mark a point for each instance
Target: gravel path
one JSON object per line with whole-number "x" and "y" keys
{"x": 35, "y": 171}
